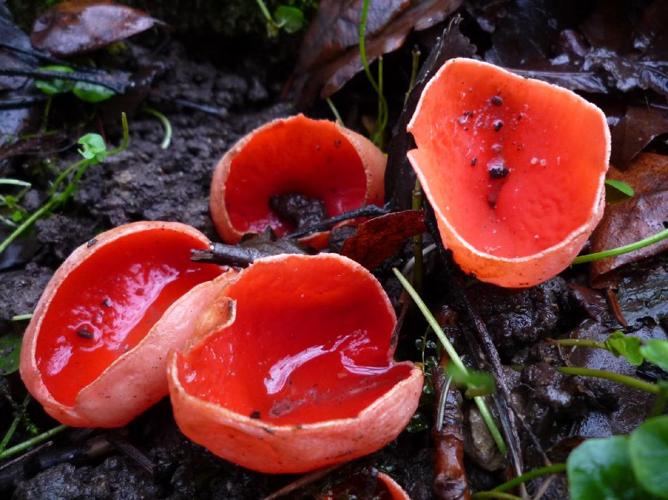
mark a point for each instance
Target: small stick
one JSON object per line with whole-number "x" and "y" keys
{"x": 449, "y": 473}
{"x": 613, "y": 302}
{"x": 368, "y": 211}
{"x": 302, "y": 481}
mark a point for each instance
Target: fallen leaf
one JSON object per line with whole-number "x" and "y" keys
{"x": 79, "y": 26}
{"x": 10, "y": 348}
{"x": 639, "y": 126}
{"x": 330, "y": 55}
{"x": 630, "y": 72}
{"x": 399, "y": 175}
{"x": 634, "y": 219}
{"x": 12, "y": 35}
{"x": 380, "y": 238}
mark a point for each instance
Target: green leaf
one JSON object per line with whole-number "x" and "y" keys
{"x": 621, "y": 186}
{"x": 648, "y": 448}
{"x": 600, "y": 469}
{"x": 90, "y": 92}
{"x": 55, "y": 85}
{"x": 656, "y": 352}
{"x": 626, "y": 346}
{"x": 93, "y": 148}
{"x": 476, "y": 383}
{"x": 291, "y": 19}
{"x": 10, "y": 348}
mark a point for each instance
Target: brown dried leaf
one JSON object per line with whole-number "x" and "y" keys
{"x": 634, "y": 219}
{"x": 78, "y": 26}
{"x": 381, "y": 237}
{"x": 330, "y": 56}
{"x": 635, "y": 130}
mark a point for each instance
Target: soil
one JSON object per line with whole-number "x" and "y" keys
{"x": 151, "y": 458}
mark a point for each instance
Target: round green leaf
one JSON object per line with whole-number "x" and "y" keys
{"x": 656, "y": 352}
{"x": 93, "y": 147}
{"x": 600, "y": 469}
{"x": 648, "y": 448}
{"x": 291, "y": 19}
{"x": 56, "y": 85}
{"x": 90, "y": 92}
{"x": 626, "y": 346}
{"x": 10, "y": 348}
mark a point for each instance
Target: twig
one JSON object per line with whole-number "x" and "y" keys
{"x": 302, "y": 481}
{"x": 449, "y": 472}
{"x": 613, "y": 302}
{"x": 368, "y": 211}
{"x": 45, "y": 436}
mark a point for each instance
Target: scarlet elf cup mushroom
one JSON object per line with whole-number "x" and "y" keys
{"x": 514, "y": 169}
{"x": 292, "y": 369}
{"x": 95, "y": 350}
{"x": 295, "y": 155}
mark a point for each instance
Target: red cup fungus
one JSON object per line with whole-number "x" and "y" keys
{"x": 514, "y": 169}
{"x": 298, "y": 373}
{"x": 295, "y": 155}
{"x": 95, "y": 351}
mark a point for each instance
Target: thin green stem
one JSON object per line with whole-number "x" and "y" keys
{"x": 491, "y": 424}
{"x": 632, "y": 247}
{"x": 58, "y": 198}
{"x": 166, "y": 125}
{"x": 125, "y": 138}
{"x": 40, "y": 212}
{"x": 528, "y": 476}
{"x": 660, "y": 403}
{"x": 15, "y": 182}
{"x": 45, "y": 116}
{"x": 636, "y": 383}
{"x": 417, "y": 240}
{"x": 15, "y": 423}
{"x": 454, "y": 357}
{"x": 579, "y": 343}
{"x": 381, "y": 121}
{"x": 415, "y": 64}
{"x": 45, "y": 436}
{"x": 22, "y": 317}
{"x": 265, "y": 11}
{"x": 335, "y": 111}
{"x": 447, "y": 345}
{"x": 495, "y": 494}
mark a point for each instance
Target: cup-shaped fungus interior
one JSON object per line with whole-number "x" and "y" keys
{"x": 294, "y": 156}
{"x": 108, "y": 303}
{"x": 310, "y": 342}
{"x": 514, "y": 165}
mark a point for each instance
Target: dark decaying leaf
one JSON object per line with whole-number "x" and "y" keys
{"x": 330, "y": 57}
{"x": 631, "y": 133}
{"x": 381, "y": 237}
{"x": 631, "y": 72}
{"x": 636, "y": 218}
{"x": 399, "y": 176}
{"x": 569, "y": 78}
{"x": 10, "y": 34}
{"x": 79, "y": 26}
